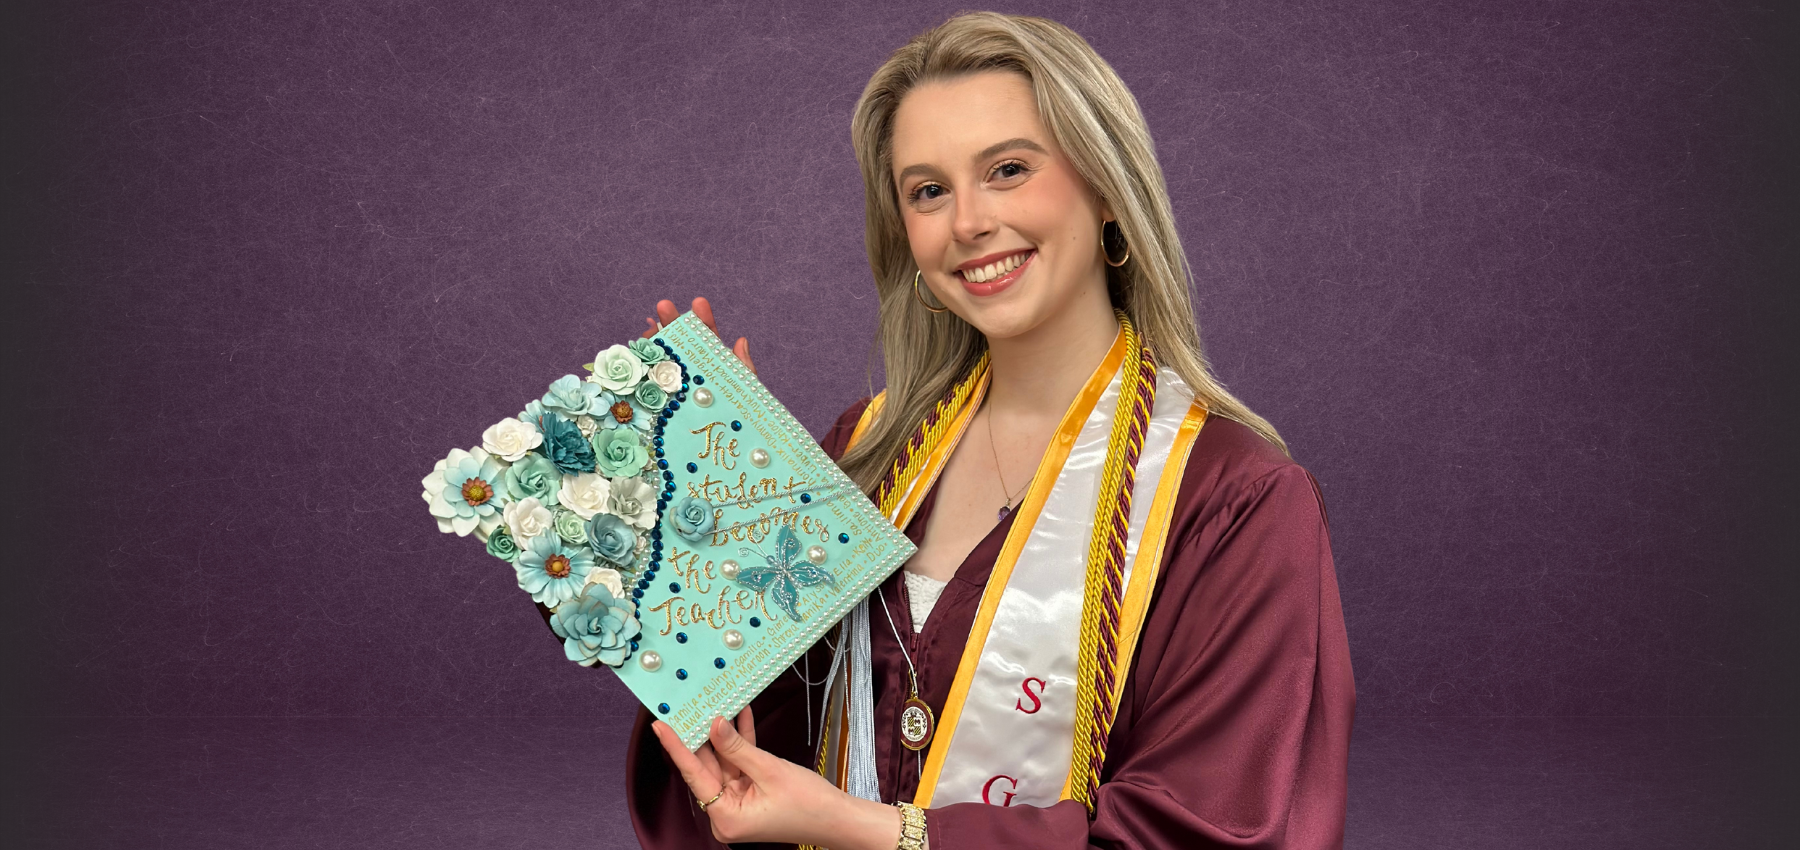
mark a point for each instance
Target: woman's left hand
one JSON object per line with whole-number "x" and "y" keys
{"x": 763, "y": 797}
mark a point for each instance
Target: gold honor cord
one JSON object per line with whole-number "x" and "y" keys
{"x": 1097, "y": 663}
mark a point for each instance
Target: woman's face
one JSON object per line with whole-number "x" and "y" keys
{"x": 1005, "y": 230}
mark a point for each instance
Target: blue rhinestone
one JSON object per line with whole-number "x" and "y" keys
{"x": 805, "y": 497}
{"x": 634, "y": 645}
{"x": 668, "y": 476}
{"x": 693, "y": 467}
{"x": 662, "y": 464}
{"x": 719, "y": 663}
{"x": 643, "y": 582}
{"x": 680, "y": 674}
{"x": 843, "y": 538}
{"x": 699, "y": 379}
{"x": 683, "y": 390}
{"x": 674, "y": 587}
{"x": 658, "y": 441}
{"x": 664, "y": 708}
{"x": 637, "y": 593}
{"x": 681, "y": 637}
{"x": 755, "y": 623}
{"x": 736, "y": 425}
{"x": 655, "y": 534}
{"x": 675, "y": 405}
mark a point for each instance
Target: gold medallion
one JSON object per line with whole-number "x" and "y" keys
{"x": 916, "y": 724}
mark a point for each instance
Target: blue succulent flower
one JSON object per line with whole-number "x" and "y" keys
{"x": 564, "y": 444}
{"x": 613, "y": 538}
{"x": 595, "y": 627}
{"x": 572, "y": 397}
{"x": 551, "y": 570}
{"x": 693, "y": 518}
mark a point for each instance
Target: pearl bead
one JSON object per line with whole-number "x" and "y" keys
{"x": 650, "y": 660}
{"x": 729, "y": 569}
{"x": 759, "y": 458}
{"x": 733, "y": 638}
{"x": 703, "y": 397}
{"x": 815, "y": 554}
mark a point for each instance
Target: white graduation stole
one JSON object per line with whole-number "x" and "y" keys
{"x": 1006, "y": 734}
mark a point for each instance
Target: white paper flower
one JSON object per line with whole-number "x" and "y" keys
{"x": 587, "y": 424}
{"x": 585, "y": 493}
{"x": 618, "y": 370}
{"x": 464, "y": 493}
{"x": 527, "y": 518}
{"x": 666, "y": 375}
{"x": 633, "y": 500}
{"x": 609, "y": 578}
{"x": 511, "y": 439}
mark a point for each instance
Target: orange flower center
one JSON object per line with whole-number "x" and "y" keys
{"x": 557, "y": 566}
{"x": 622, "y": 412}
{"x": 476, "y": 491}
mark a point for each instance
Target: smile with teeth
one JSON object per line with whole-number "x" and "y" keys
{"x": 983, "y": 274}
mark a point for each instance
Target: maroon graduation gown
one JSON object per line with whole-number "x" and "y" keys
{"x": 1234, "y": 726}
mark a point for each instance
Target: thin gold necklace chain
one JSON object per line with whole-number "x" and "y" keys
{"x": 997, "y": 474}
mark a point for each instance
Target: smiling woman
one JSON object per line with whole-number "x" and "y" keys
{"x": 1147, "y": 648}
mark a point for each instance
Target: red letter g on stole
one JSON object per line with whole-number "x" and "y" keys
{"x": 990, "y": 784}
{"x": 1035, "y": 702}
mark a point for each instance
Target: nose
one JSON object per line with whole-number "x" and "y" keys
{"x": 974, "y": 218}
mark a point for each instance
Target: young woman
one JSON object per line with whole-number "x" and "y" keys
{"x": 1122, "y": 625}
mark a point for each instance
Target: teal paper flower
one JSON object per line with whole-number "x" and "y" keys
{"x": 618, "y": 452}
{"x": 534, "y": 477}
{"x": 693, "y": 518}
{"x": 625, "y": 415}
{"x": 570, "y": 527}
{"x": 465, "y": 491}
{"x": 572, "y": 397}
{"x": 552, "y": 571}
{"x": 500, "y": 544}
{"x": 647, "y": 351}
{"x": 613, "y": 538}
{"x": 595, "y": 627}
{"x": 650, "y": 396}
{"x": 564, "y": 445}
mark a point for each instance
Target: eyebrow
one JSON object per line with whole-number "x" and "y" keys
{"x": 990, "y": 150}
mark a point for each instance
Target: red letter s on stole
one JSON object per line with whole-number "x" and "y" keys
{"x": 1035, "y": 702}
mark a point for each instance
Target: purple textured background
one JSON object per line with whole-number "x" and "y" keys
{"x": 1513, "y": 279}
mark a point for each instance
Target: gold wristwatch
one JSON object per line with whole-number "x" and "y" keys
{"x": 912, "y": 827}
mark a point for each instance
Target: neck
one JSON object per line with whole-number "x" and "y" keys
{"x": 1037, "y": 374}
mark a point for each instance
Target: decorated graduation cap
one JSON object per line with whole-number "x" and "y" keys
{"x": 678, "y": 523}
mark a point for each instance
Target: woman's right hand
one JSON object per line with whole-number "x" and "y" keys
{"x": 666, "y": 313}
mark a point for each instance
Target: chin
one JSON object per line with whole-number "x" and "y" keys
{"x": 1005, "y": 320}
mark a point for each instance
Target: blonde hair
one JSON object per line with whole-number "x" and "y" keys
{"x": 1096, "y": 122}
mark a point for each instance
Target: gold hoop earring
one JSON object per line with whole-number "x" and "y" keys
{"x": 1108, "y": 254}
{"x": 921, "y": 298}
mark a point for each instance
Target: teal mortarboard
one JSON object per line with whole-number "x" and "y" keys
{"x": 681, "y": 525}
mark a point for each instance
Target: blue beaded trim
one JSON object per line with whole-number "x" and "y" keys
{"x": 662, "y": 501}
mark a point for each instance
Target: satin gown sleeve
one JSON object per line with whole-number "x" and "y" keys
{"x": 1235, "y": 725}
{"x": 662, "y": 809}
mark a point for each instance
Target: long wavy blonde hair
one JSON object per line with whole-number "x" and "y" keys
{"x": 1096, "y": 122}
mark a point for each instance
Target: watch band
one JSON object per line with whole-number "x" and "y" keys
{"x": 912, "y": 827}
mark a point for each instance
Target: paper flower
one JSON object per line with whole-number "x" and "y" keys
{"x": 595, "y": 626}
{"x": 619, "y": 452}
{"x": 608, "y": 578}
{"x": 693, "y": 518}
{"x": 511, "y": 439}
{"x": 624, "y": 414}
{"x": 572, "y": 397}
{"x": 527, "y": 518}
{"x": 650, "y": 396}
{"x": 585, "y": 493}
{"x": 647, "y": 351}
{"x": 588, "y": 425}
{"x": 617, "y": 370}
{"x": 633, "y": 500}
{"x": 612, "y": 539}
{"x": 564, "y": 445}
{"x": 464, "y": 492}
{"x": 535, "y": 477}
{"x": 569, "y": 526}
{"x": 552, "y": 571}
{"x": 501, "y": 544}
{"x": 666, "y": 375}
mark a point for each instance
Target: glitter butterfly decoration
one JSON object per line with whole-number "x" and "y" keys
{"x": 785, "y": 573}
